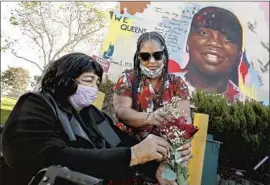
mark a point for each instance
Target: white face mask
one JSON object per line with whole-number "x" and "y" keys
{"x": 83, "y": 97}
{"x": 151, "y": 73}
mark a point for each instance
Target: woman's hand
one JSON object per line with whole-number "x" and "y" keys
{"x": 184, "y": 153}
{"x": 162, "y": 167}
{"x": 158, "y": 118}
{"x": 151, "y": 148}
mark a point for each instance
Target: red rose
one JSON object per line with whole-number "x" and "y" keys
{"x": 189, "y": 129}
{"x": 180, "y": 122}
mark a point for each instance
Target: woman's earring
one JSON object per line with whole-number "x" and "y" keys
{"x": 187, "y": 49}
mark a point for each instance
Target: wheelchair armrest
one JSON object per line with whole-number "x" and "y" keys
{"x": 55, "y": 174}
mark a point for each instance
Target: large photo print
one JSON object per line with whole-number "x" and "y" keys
{"x": 219, "y": 47}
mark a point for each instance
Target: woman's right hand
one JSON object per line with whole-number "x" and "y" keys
{"x": 157, "y": 118}
{"x": 151, "y": 148}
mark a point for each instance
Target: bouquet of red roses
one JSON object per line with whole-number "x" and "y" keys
{"x": 178, "y": 132}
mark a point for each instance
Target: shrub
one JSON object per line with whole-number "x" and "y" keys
{"x": 243, "y": 127}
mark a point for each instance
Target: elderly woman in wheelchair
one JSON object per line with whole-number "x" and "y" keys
{"x": 58, "y": 126}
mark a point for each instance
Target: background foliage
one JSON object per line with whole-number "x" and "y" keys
{"x": 15, "y": 77}
{"x": 243, "y": 127}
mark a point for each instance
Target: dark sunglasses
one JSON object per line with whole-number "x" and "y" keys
{"x": 147, "y": 56}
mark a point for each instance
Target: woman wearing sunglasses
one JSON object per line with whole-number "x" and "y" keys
{"x": 140, "y": 92}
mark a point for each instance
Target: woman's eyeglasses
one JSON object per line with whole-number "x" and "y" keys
{"x": 144, "y": 56}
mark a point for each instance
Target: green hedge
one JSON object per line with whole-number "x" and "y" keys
{"x": 243, "y": 127}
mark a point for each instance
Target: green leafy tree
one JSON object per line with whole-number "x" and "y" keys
{"x": 15, "y": 77}
{"x": 54, "y": 28}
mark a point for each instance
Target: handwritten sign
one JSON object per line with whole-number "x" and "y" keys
{"x": 103, "y": 62}
{"x": 173, "y": 28}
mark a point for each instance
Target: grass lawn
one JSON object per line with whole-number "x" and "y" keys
{"x": 7, "y": 105}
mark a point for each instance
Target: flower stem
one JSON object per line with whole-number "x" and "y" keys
{"x": 182, "y": 174}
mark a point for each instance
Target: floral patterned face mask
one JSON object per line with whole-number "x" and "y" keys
{"x": 151, "y": 73}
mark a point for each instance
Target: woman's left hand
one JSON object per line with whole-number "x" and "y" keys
{"x": 162, "y": 167}
{"x": 185, "y": 152}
